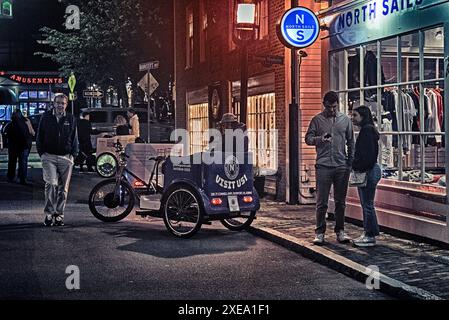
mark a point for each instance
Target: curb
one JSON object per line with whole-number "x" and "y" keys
{"x": 343, "y": 265}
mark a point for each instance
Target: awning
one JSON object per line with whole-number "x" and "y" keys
{"x": 7, "y": 96}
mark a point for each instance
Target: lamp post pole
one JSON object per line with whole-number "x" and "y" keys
{"x": 243, "y": 81}
{"x": 294, "y": 127}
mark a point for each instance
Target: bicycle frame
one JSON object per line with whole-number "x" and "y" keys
{"x": 151, "y": 185}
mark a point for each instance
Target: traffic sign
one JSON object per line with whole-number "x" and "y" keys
{"x": 147, "y": 66}
{"x": 150, "y": 83}
{"x": 72, "y": 96}
{"x": 72, "y": 82}
{"x": 93, "y": 94}
{"x": 299, "y": 28}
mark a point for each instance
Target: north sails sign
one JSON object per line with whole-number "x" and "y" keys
{"x": 373, "y": 10}
{"x": 365, "y": 21}
{"x": 299, "y": 28}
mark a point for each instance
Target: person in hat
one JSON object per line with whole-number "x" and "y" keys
{"x": 229, "y": 122}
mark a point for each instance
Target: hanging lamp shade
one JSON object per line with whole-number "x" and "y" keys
{"x": 7, "y": 96}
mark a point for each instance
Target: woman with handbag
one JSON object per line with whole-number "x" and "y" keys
{"x": 365, "y": 164}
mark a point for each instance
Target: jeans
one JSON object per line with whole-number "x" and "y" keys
{"x": 22, "y": 156}
{"x": 325, "y": 178}
{"x": 366, "y": 195}
{"x": 57, "y": 171}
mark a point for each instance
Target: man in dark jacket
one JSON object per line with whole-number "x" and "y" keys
{"x": 84, "y": 128}
{"x": 19, "y": 146}
{"x": 57, "y": 145}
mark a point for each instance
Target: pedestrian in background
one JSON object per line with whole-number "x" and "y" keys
{"x": 57, "y": 145}
{"x": 19, "y": 145}
{"x": 84, "y": 128}
{"x": 365, "y": 160}
{"x": 331, "y": 132}
{"x": 134, "y": 123}
{"x": 121, "y": 126}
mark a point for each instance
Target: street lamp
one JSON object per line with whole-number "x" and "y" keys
{"x": 245, "y": 29}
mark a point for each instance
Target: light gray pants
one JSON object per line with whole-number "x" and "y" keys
{"x": 57, "y": 171}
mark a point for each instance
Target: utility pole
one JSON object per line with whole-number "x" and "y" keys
{"x": 294, "y": 127}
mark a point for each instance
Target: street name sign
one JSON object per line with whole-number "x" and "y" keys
{"x": 147, "y": 66}
{"x": 299, "y": 28}
{"x": 268, "y": 59}
{"x": 93, "y": 94}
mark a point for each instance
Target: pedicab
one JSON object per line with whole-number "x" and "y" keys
{"x": 186, "y": 192}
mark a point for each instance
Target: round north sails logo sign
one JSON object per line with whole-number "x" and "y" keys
{"x": 231, "y": 167}
{"x": 299, "y": 28}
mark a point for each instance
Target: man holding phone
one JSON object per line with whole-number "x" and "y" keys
{"x": 332, "y": 135}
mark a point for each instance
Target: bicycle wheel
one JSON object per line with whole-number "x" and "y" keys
{"x": 182, "y": 212}
{"x": 239, "y": 223}
{"x": 106, "y": 165}
{"x": 108, "y": 205}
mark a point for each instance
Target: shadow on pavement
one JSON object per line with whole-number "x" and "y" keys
{"x": 160, "y": 243}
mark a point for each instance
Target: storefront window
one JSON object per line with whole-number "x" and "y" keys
{"x": 23, "y": 95}
{"x": 43, "y": 94}
{"x": 198, "y": 126}
{"x": 261, "y": 127}
{"x": 388, "y": 60}
{"x": 404, "y": 91}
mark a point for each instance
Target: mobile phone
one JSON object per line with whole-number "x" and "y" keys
{"x": 327, "y": 135}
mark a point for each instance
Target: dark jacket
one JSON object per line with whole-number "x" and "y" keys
{"x": 84, "y": 131}
{"x": 18, "y": 134}
{"x": 122, "y": 130}
{"x": 57, "y": 138}
{"x": 236, "y": 142}
{"x": 366, "y": 149}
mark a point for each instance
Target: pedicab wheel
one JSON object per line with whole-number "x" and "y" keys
{"x": 182, "y": 212}
{"x": 108, "y": 206}
{"x": 106, "y": 165}
{"x": 239, "y": 223}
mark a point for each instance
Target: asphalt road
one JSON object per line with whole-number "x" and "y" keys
{"x": 138, "y": 259}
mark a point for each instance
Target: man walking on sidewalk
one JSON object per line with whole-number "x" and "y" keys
{"x": 57, "y": 145}
{"x": 331, "y": 132}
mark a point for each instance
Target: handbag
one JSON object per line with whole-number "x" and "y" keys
{"x": 358, "y": 179}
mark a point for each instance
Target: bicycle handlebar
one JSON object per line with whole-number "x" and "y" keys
{"x": 158, "y": 158}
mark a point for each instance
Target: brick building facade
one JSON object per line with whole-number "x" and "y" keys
{"x": 207, "y": 82}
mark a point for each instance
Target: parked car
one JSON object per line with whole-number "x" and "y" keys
{"x": 102, "y": 120}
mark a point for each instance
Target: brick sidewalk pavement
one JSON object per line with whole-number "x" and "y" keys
{"x": 416, "y": 264}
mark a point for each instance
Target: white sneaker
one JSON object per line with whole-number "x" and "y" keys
{"x": 365, "y": 241}
{"x": 361, "y": 237}
{"x": 342, "y": 237}
{"x": 319, "y": 239}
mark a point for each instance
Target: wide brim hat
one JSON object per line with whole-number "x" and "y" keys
{"x": 228, "y": 118}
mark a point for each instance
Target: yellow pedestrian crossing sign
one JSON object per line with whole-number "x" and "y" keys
{"x": 72, "y": 82}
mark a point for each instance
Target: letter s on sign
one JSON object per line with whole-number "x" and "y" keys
{"x": 300, "y": 34}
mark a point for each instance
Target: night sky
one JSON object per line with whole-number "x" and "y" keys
{"x": 18, "y": 37}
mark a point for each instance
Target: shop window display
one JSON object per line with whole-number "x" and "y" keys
{"x": 261, "y": 125}
{"x": 403, "y": 86}
{"x": 198, "y": 126}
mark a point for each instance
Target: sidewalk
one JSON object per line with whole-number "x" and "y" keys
{"x": 408, "y": 269}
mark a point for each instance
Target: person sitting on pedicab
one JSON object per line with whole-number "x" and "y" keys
{"x": 228, "y": 124}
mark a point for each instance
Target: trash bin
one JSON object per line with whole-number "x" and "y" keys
{"x": 259, "y": 185}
